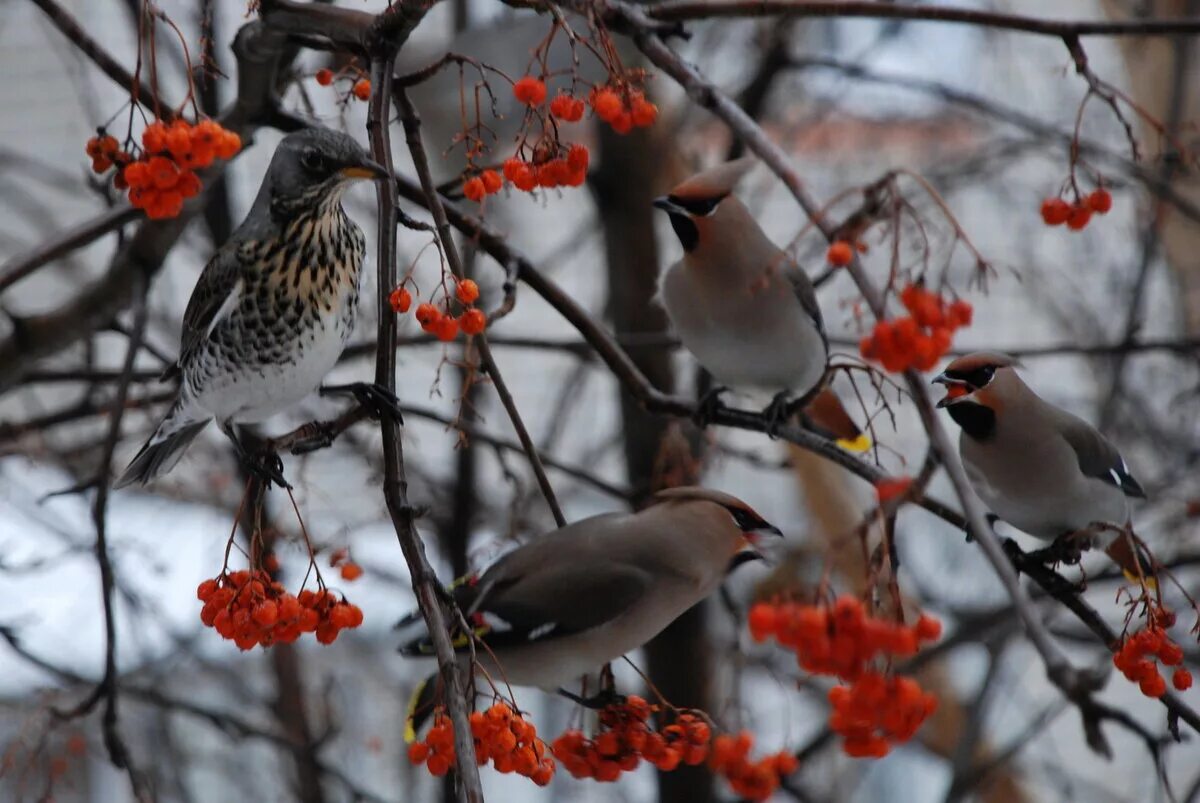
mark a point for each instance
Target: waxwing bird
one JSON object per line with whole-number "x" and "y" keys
{"x": 1037, "y": 467}
{"x": 274, "y": 306}
{"x": 742, "y": 306}
{"x": 560, "y": 607}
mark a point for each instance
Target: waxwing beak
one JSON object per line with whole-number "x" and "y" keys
{"x": 365, "y": 169}
{"x": 664, "y": 203}
{"x": 956, "y": 389}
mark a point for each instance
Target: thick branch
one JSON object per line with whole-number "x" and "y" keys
{"x": 395, "y": 485}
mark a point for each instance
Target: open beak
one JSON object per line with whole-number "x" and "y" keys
{"x": 365, "y": 169}
{"x": 664, "y": 203}
{"x": 956, "y": 389}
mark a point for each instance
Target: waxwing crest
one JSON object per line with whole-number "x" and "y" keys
{"x": 716, "y": 182}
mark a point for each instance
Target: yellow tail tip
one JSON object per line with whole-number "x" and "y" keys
{"x": 859, "y": 444}
{"x": 410, "y": 733}
{"x": 1151, "y": 582}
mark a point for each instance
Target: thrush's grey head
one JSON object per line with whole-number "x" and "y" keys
{"x": 314, "y": 166}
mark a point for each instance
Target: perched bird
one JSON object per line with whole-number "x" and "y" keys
{"x": 274, "y": 306}
{"x": 1037, "y": 467}
{"x": 742, "y": 306}
{"x": 560, "y": 607}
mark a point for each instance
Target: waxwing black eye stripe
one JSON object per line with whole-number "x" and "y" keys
{"x": 699, "y": 207}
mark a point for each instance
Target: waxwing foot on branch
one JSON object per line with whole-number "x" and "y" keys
{"x": 376, "y": 399}
{"x": 708, "y": 406}
{"x": 777, "y": 413}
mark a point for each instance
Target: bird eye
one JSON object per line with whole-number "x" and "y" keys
{"x": 983, "y": 376}
{"x": 312, "y": 161}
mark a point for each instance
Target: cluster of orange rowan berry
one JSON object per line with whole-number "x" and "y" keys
{"x": 361, "y": 88}
{"x": 568, "y": 170}
{"x": 438, "y": 321}
{"x": 919, "y": 339}
{"x": 501, "y": 735}
{"x": 622, "y": 107}
{"x": 1136, "y": 660}
{"x": 249, "y": 608}
{"x": 753, "y": 780}
{"x": 1056, "y": 211}
{"x": 842, "y": 641}
{"x": 163, "y": 176}
{"x": 626, "y": 737}
{"x": 839, "y": 640}
{"x": 877, "y": 710}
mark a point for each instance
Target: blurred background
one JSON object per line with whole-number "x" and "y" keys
{"x": 1106, "y": 321}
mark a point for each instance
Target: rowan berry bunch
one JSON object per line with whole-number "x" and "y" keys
{"x": 1056, "y": 211}
{"x": 1136, "y": 658}
{"x": 919, "y": 339}
{"x": 622, "y": 106}
{"x": 876, "y": 711}
{"x": 753, "y": 780}
{"x": 838, "y": 640}
{"x": 438, "y": 320}
{"x": 162, "y": 175}
{"x": 356, "y": 83}
{"x": 249, "y": 608}
{"x": 501, "y": 735}
{"x": 626, "y": 737}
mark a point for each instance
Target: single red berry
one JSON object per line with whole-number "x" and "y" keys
{"x": 362, "y": 89}
{"x": 530, "y": 91}
{"x": 400, "y": 300}
{"x": 1055, "y": 211}
{"x": 324, "y": 76}
{"x": 562, "y": 106}
{"x": 447, "y": 329}
{"x": 577, "y": 157}
{"x": 840, "y": 254}
{"x": 427, "y": 314}
{"x": 1181, "y": 679}
{"x": 491, "y": 181}
{"x": 351, "y": 571}
{"x": 1080, "y": 215}
{"x": 1100, "y": 201}
{"x": 467, "y": 291}
{"x": 473, "y": 321}
{"x": 644, "y": 112}
{"x": 473, "y": 189}
{"x": 607, "y": 104}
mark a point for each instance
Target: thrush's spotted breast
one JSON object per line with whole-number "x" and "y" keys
{"x": 273, "y": 308}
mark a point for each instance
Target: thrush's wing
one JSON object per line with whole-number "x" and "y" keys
{"x": 215, "y": 296}
{"x": 1097, "y": 456}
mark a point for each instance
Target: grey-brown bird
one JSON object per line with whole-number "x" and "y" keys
{"x": 560, "y": 607}
{"x": 742, "y": 306}
{"x": 1036, "y": 466}
{"x": 273, "y": 308}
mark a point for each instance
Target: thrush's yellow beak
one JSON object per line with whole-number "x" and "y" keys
{"x": 368, "y": 169}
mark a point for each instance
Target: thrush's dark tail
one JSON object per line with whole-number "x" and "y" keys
{"x": 160, "y": 454}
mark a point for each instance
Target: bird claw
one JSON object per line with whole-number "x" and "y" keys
{"x": 708, "y": 406}
{"x": 378, "y": 400}
{"x": 777, "y": 414}
{"x": 603, "y": 699}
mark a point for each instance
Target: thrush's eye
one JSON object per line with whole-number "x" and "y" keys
{"x": 312, "y": 161}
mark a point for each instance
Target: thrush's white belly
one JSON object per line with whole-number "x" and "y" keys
{"x": 750, "y": 338}
{"x": 1039, "y": 499}
{"x": 560, "y": 663}
{"x": 253, "y": 394}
